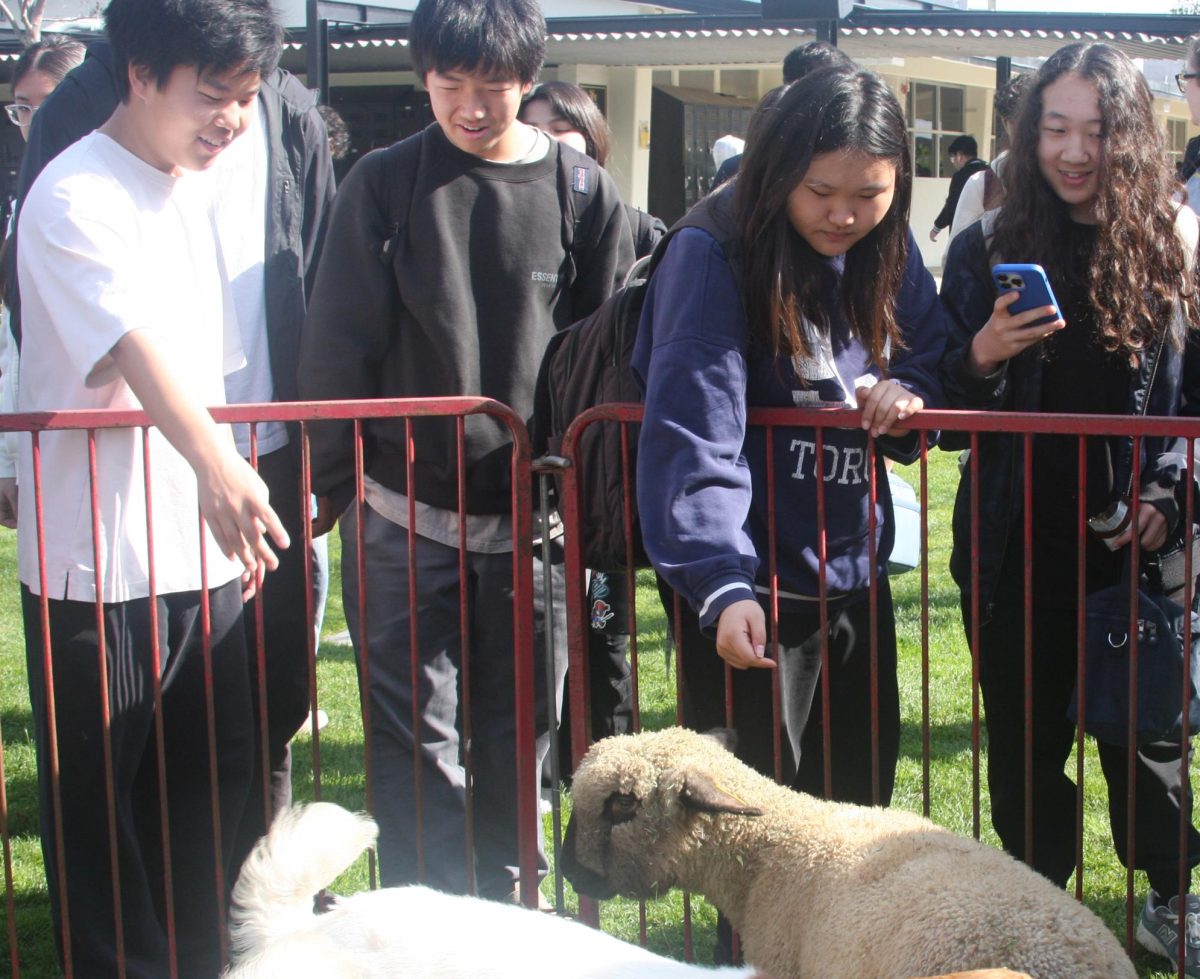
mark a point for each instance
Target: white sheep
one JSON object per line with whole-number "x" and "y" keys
{"x": 409, "y": 932}
{"x": 817, "y": 890}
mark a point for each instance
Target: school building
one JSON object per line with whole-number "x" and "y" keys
{"x": 673, "y": 78}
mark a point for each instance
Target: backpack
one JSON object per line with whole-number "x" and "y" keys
{"x": 589, "y": 364}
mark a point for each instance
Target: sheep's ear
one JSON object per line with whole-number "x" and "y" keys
{"x": 726, "y": 737}
{"x": 701, "y": 793}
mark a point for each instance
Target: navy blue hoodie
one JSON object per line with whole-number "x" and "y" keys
{"x": 702, "y": 488}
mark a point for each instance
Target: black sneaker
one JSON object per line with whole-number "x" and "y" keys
{"x": 1158, "y": 930}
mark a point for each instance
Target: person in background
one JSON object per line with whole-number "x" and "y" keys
{"x": 566, "y": 112}
{"x": 1188, "y": 168}
{"x": 1087, "y": 192}
{"x": 984, "y": 190}
{"x": 964, "y": 156}
{"x": 726, "y": 148}
{"x": 38, "y": 71}
{"x": 341, "y": 146}
{"x": 1189, "y": 84}
{"x": 339, "y": 149}
{"x": 796, "y": 64}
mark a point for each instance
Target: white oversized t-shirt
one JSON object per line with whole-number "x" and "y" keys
{"x": 109, "y": 244}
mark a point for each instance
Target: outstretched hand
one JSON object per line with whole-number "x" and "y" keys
{"x": 742, "y": 636}
{"x": 236, "y": 506}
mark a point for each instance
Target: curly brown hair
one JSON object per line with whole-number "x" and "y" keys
{"x": 1138, "y": 272}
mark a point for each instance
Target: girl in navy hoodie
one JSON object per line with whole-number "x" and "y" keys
{"x": 783, "y": 292}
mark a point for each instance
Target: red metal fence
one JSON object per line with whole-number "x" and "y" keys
{"x": 526, "y": 657}
{"x": 972, "y": 424}
{"x": 455, "y": 409}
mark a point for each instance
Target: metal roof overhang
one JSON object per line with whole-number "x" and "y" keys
{"x": 682, "y": 39}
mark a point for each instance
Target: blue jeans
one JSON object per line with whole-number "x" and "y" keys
{"x": 439, "y": 702}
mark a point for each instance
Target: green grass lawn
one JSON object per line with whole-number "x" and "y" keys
{"x": 341, "y": 774}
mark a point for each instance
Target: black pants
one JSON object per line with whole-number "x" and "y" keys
{"x": 429, "y": 845}
{"x": 286, "y": 629}
{"x": 87, "y": 857}
{"x": 702, "y": 677}
{"x": 1159, "y": 790}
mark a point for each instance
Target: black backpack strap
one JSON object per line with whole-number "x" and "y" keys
{"x": 403, "y": 158}
{"x": 577, "y": 178}
{"x": 713, "y": 215}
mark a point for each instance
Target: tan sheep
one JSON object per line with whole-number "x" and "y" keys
{"x": 818, "y": 890}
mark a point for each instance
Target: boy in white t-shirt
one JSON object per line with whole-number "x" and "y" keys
{"x": 124, "y": 308}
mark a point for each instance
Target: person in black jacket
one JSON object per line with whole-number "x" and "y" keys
{"x": 964, "y": 154}
{"x": 296, "y": 188}
{"x": 1123, "y": 344}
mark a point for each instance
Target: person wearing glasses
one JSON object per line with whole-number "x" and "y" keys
{"x": 1189, "y": 84}
{"x": 38, "y": 71}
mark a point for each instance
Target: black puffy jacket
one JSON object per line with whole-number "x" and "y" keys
{"x": 1167, "y": 382}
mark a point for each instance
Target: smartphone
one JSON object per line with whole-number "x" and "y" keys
{"x": 1031, "y": 282}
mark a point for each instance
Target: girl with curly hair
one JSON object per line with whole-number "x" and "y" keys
{"x": 1088, "y": 197}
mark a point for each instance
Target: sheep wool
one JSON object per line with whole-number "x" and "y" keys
{"x": 815, "y": 888}
{"x": 405, "y": 932}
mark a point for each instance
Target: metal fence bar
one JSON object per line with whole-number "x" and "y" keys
{"x": 110, "y": 804}
{"x": 159, "y": 724}
{"x": 1080, "y": 653}
{"x": 923, "y": 496}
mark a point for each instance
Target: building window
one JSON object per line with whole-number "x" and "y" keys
{"x": 936, "y": 117}
{"x": 1176, "y": 142}
{"x": 599, "y": 95}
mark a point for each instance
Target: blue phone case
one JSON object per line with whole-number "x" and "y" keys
{"x": 1034, "y": 288}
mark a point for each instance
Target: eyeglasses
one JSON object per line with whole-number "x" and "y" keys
{"x": 20, "y": 114}
{"x": 1182, "y": 79}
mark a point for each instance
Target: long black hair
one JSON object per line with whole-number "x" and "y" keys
{"x": 831, "y": 110}
{"x": 1138, "y": 271}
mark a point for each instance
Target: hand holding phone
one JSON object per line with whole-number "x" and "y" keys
{"x": 1032, "y": 287}
{"x": 1015, "y": 323}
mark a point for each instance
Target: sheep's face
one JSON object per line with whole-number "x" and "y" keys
{"x": 639, "y": 805}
